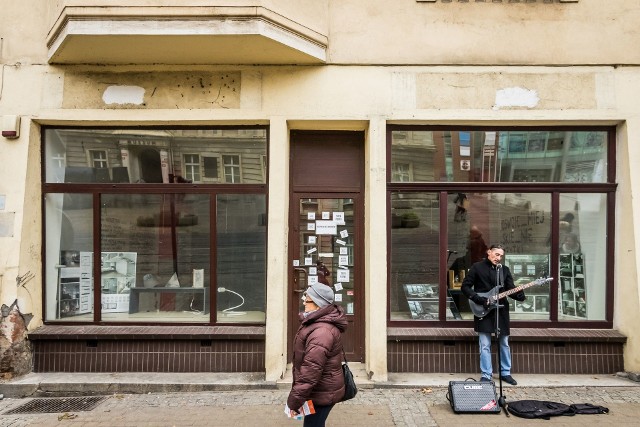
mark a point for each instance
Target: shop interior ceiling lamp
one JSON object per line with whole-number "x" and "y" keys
{"x": 11, "y": 126}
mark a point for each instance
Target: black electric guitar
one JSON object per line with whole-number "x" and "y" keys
{"x": 493, "y": 296}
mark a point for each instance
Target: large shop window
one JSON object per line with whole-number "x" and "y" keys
{"x": 545, "y": 194}
{"x": 144, "y": 225}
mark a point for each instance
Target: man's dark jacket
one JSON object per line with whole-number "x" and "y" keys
{"x": 482, "y": 278}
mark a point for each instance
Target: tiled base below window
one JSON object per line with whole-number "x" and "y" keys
{"x": 148, "y": 356}
{"x": 556, "y": 352}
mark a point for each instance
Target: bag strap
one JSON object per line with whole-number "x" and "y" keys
{"x": 344, "y": 356}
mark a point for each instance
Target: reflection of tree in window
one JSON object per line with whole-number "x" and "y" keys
{"x": 192, "y": 167}
{"x": 231, "y": 168}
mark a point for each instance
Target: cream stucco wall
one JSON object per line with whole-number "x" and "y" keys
{"x": 352, "y": 92}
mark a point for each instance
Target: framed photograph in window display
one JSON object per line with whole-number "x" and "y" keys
{"x": 423, "y": 302}
{"x": 118, "y": 277}
{"x": 526, "y": 268}
{"x": 573, "y": 293}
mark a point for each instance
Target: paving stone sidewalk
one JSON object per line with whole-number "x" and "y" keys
{"x": 405, "y": 407}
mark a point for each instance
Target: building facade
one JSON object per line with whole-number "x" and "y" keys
{"x": 177, "y": 173}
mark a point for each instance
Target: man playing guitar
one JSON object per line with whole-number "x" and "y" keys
{"x": 483, "y": 276}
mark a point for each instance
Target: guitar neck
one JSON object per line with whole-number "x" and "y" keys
{"x": 514, "y": 290}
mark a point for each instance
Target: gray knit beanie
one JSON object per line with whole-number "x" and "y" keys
{"x": 322, "y": 295}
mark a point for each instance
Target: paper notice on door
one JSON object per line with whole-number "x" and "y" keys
{"x": 311, "y": 226}
{"x": 313, "y": 280}
{"x": 343, "y": 275}
{"x": 326, "y": 215}
{"x": 338, "y": 217}
{"x": 312, "y": 240}
{"x": 311, "y": 215}
{"x": 343, "y": 260}
{"x": 308, "y": 261}
{"x": 327, "y": 228}
{"x": 337, "y": 297}
{"x": 341, "y": 242}
{"x": 344, "y": 251}
{"x": 338, "y": 286}
{"x": 344, "y": 234}
{"x": 296, "y": 262}
{"x": 313, "y": 270}
{"x": 312, "y": 250}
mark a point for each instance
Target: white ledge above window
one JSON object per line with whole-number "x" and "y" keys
{"x": 235, "y": 36}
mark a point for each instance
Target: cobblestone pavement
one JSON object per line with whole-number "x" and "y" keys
{"x": 372, "y": 407}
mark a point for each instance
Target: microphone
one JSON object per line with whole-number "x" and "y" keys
{"x": 498, "y": 265}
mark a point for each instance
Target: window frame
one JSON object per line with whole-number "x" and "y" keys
{"x": 97, "y": 189}
{"x": 555, "y": 189}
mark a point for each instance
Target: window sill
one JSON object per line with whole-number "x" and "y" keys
{"x": 98, "y": 332}
{"x": 517, "y": 334}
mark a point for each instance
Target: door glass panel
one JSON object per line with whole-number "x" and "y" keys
{"x": 327, "y": 248}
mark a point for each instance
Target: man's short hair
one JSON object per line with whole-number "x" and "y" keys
{"x": 496, "y": 246}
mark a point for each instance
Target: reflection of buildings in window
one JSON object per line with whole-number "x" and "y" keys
{"x": 231, "y": 168}
{"x": 210, "y": 167}
{"x": 401, "y": 172}
{"x": 98, "y": 159}
{"x": 193, "y": 154}
{"x": 191, "y": 167}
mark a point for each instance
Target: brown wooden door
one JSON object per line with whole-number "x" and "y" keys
{"x": 326, "y": 226}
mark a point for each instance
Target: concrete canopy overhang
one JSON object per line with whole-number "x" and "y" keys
{"x": 252, "y": 35}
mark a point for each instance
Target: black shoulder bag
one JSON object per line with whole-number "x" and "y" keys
{"x": 350, "y": 388}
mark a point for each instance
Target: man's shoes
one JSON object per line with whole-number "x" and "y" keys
{"x": 485, "y": 379}
{"x": 509, "y": 380}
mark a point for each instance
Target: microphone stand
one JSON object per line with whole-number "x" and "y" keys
{"x": 501, "y": 400}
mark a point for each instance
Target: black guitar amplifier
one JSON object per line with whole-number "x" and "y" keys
{"x": 473, "y": 397}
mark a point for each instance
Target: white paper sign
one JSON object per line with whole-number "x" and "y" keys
{"x": 325, "y": 254}
{"x": 313, "y": 280}
{"x": 312, "y": 240}
{"x": 344, "y": 251}
{"x": 313, "y": 270}
{"x": 337, "y": 297}
{"x": 308, "y": 261}
{"x": 326, "y": 228}
{"x": 198, "y": 277}
{"x": 344, "y": 234}
{"x": 338, "y": 286}
{"x": 312, "y": 250}
{"x": 326, "y": 215}
{"x": 343, "y": 260}
{"x": 350, "y": 308}
{"x": 341, "y": 242}
{"x": 311, "y": 226}
{"x": 296, "y": 262}
{"x": 311, "y": 215}
{"x": 343, "y": 275}
{"x": 338, "y": 217}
